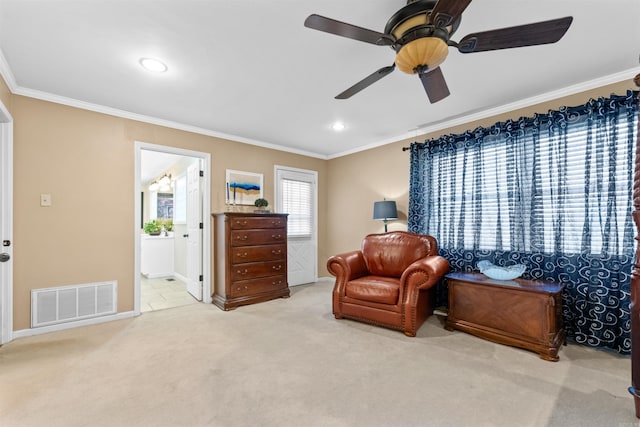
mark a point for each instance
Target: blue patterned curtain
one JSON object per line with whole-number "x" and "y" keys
{"x": 553, "y": 192}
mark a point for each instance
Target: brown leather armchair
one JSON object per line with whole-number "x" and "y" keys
{"x": 389, "y": 282}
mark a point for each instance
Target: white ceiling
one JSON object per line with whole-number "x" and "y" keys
{"x": 249, "y": 70}
{"x": 154, "y": 163}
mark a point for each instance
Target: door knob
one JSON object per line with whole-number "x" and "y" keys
{"x": 4, "y": 257}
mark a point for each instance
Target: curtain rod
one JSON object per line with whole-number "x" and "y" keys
{"x": 636, "y": 80}
{"x": 421, "y": 145}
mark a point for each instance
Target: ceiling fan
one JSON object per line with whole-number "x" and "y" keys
{"x": 420, "y": 33}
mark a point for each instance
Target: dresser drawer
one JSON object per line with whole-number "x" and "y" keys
{"x": 256, "y": 286}
{"x": 257, "y": 269}
{"x": 258, "y": 237}
{"x": 244, "y": 223}
{"x": 243, "y": 254}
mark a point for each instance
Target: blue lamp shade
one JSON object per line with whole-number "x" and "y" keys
{"x": 384, "y": 210}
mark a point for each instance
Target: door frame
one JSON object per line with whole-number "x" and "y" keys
{"x": 6, "y": 224}
{"x": 206, "y": 213}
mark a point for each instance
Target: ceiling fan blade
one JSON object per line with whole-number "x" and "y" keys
{"x": 366, "y": 82}
{"x": 445, "y": 12}
{"x": 343, "y": 29}
{"x": 544, "y": 32}
{"x": 434, "y": 84}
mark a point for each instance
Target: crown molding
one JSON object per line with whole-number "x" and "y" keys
{"x": 9, "y": 78}
{"x": 484, "y": 113}
{"x": 45, "y": 96}
{"x": 6, "y": 73}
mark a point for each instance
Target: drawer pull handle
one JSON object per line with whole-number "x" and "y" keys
{"x": 275, "y": 222}
{"x": 241, "y": 222}
{"x": 278, "y": 252}
{"x": 277, "y": 267}
{"x": 245, "y": 237}
{"x": 244, "y": 255}
{"x": 276, "y": 236}
{"x": 279, "y": 282}
{"x": 243, "y": 272}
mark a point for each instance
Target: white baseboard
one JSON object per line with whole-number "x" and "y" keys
{"x": 63, "y": 326}
{"x": 180, "y": 277}
{"x": 157, "y": 275}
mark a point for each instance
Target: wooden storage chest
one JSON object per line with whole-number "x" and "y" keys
{"x": 520, "y": 313}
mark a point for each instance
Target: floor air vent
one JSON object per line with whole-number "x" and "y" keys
{"x": 64, "y": 304}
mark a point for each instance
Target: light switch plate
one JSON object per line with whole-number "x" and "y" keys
{"x": 45, "y": 200}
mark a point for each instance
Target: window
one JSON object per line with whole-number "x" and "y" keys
{"x": 296, "y": 201}
{"x": 552, "y": 192}
{"x": 556, "y": 188}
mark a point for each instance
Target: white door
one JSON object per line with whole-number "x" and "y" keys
{"x": 6, "y": 224}
{"x": 296, "y": 195}
{"x": 194, "y": 232}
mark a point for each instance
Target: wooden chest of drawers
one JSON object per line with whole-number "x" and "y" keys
{"x": 250, "y": 258}
{"x": 520, "y": 313}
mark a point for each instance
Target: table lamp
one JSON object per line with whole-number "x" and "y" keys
{"x": 385, "y": 210}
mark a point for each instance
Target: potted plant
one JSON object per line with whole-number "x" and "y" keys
{"x": 153, "y": 228}
{"x": 261, "y": 204}
{"x": 167, "y": 224}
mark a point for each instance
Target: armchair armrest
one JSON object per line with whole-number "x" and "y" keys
{"x": 347, "y": 266}
{"x": 424, "y": 273}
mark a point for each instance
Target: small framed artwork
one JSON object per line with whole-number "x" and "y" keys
{"x": 243, "y": 188}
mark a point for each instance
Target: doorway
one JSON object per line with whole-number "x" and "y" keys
{"x": 6, "y": 225}
{"x": 178, "y": 257}
{"x": 296, "y": 194}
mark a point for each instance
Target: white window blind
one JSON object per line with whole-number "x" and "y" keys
{"x": 521, "y": 194}
{"x": 297, "y": 202}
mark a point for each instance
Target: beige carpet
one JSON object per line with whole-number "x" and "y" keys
{"x": 288, "y": 362}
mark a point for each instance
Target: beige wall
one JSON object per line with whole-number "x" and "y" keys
{"x": 85, "y": 160}
{"x": 357, "y": 180}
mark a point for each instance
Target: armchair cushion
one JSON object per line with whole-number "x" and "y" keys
{"x": 385, "y": 290}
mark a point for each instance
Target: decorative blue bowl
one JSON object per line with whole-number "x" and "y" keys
{"x": 501, "y": 273}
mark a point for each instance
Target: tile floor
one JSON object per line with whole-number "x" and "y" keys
{"x": 161, "y": 293}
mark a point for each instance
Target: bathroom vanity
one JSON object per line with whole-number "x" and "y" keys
{"x": 156, "y": 255}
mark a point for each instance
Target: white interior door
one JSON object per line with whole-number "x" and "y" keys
{"x": 194, "y": 232}
{"x": 296, "y": 195}
{"x": 6, "y": 225}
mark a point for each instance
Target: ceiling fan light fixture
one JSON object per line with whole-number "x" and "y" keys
{"x": 413, "y": 22}
{"x": 426, "y": 51}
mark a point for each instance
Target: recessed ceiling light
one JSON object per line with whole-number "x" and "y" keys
{"x": 338, "y": 126}
{"x": 153, "y": 65}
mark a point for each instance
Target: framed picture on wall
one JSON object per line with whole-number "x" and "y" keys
{"x": 243, "y": 188}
